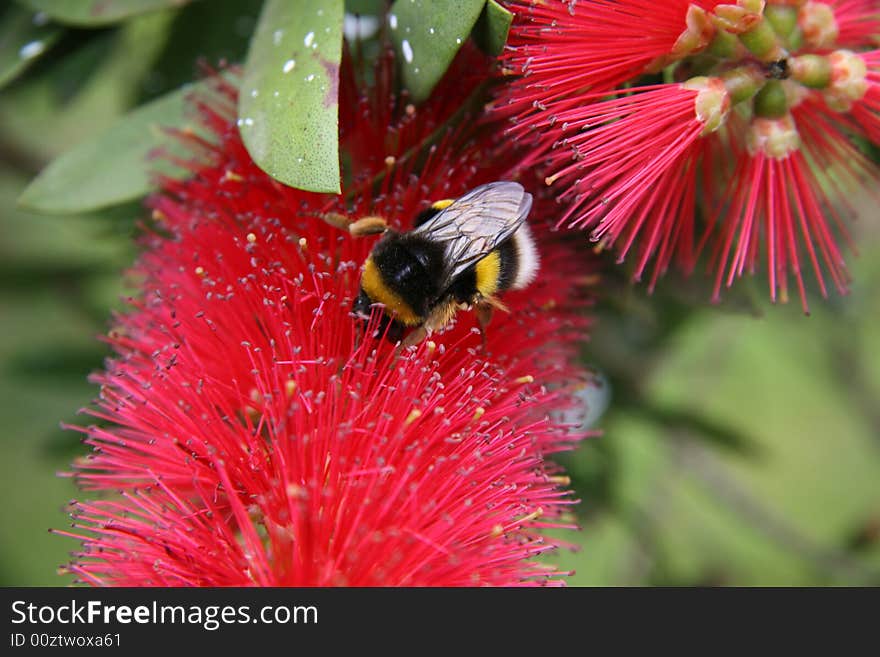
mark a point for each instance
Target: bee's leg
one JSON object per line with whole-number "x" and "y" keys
{"x": 358, "y": 336}
{"x": 484, "y": 316}
{"x": 414, "y": 338}
{"x": 439, "y": 317}
{"x": 495, "y": 302}
{"x": 411, "y": 340}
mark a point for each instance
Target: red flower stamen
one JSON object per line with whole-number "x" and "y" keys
{"x": 563, "y": 49}
{"x": 632, "y": 162}
{"x": 857, "y": 22}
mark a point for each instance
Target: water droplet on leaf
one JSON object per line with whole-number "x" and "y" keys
{"x": 407, "y": 51}
{"x": 32, "y": 49}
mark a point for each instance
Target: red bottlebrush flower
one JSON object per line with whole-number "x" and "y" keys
{"x": 638, "y": 160}
{"x": 260, "y": 439}
{"x": 842, "y": 23}
{"x": 776, "y": 195}
{"x": 645, "y": 149}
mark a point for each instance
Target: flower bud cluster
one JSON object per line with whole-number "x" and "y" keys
{"x": 768, "y": 55}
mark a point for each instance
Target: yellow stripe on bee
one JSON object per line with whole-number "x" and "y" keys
{"x": 374, "y": 286}
{"x": 488, "y": 272}
{"x": 442, "y": 205}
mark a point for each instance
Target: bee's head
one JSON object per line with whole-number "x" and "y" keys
{"x": 362, "y": 306}
{"x": 362, "y": 310}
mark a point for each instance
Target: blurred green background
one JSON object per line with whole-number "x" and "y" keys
{"x": 741, "y": 446}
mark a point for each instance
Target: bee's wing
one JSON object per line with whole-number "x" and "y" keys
{"x": 474, "y": 224}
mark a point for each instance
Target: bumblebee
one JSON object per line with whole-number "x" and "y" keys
{"x": 460, "y": 255}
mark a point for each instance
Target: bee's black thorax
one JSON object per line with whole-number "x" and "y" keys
{"x": 410, "y": 267}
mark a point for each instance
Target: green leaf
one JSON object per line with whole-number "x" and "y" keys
{"x": 23, "y": 38}
{"x": 365, "y": 7}
{"x": 112, "y": 168}
{"x": 490, "y": 32}
{"x": 188, "y": 43}
{"x": 427, "y": 36}
{"x": 288, "y": 105}
{"x": 97, "y": 12}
